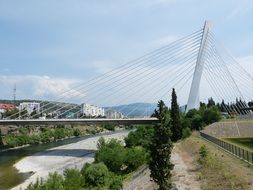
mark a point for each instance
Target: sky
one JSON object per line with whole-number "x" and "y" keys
{"x": 49, "y": 46}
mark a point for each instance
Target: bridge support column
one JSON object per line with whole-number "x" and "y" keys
{"x": 193, "y": 99}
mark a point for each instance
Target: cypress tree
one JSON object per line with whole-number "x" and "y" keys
{"x": 176, "y": 128}
{"x": 160, "y": 149}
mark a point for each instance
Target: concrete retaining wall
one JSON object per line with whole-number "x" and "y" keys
{"x": 230, "y": 129}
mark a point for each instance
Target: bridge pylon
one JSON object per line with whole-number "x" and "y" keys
{"x": 193, "y": 99}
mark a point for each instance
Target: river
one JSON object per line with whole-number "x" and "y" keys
{"x": 10, "y": 177}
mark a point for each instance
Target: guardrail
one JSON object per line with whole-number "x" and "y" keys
{"x": 237, "y": 151}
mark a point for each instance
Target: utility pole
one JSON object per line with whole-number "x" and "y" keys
{"x": 14, "y": 94}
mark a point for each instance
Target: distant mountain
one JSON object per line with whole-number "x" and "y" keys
{"x": 135, "y": 109}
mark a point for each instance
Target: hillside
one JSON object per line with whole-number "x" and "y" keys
{"x": 135, "y": 109}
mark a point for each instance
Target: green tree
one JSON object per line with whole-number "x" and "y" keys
{"x": 73, "y": 179}
{"x": 211, "y": 115}
{"x": 116, "y": 183}
{"x": 176, "y": 128}
{"x": 95, "y": 175}
{"x": 160, "y": 149}
{"x": 140, "y": 137}
{"x": 211, "y": 102}
{"x": 38, "y": 185}
{"x": 136, "y": 156}
{"x": 186, "y": 132}
{"x": 197, "y": 122}
{"x": 54, "y": 181}
{"x": 109, "y": 127}
{"x": 77, "y": 132}
{"x": 112, "y": 154}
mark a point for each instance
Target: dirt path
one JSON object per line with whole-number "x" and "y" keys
{"x": 184, "y": 173}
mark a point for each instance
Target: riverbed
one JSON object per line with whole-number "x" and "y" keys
{"x": 63, "y": 154}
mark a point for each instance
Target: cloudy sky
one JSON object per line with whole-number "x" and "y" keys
{"x": 48, "y": 46}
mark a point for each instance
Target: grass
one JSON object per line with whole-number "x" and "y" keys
{"x": 220, "y": 170}
{"x": 246, "y": 143}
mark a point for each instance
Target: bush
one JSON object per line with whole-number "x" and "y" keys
{"x": 54, "y": 181}
{"x": 45, "y": 137}
{"x": 38, "y": 185}
{"x": 141, "y": 137}
{"x": 116, "y": 183}
{"x": 77, "y": 132}
{"x": 95, "y": 175}
{"x": 197, "y": 122}
{"x": 109, "y": 127}
{"x": 186, "y": 132}
{"x": 58, "y": 133}
{"x": 136, "y": 156}
{"x": 203, "y": 153}
{"x": 211, "y": 115}
{"x": 35, "y": 139}
{"x": 73, "y": 179}
{"x": 112, "y": 154}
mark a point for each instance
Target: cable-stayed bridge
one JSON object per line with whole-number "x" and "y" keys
{"x": 195, "y": 64}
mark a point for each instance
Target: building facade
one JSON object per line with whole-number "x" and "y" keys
{"x": 29, "y": 107}
{"x": 92, "y": 110}
{"x": 112, "y": 114}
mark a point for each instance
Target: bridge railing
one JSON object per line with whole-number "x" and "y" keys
{"x": 237, "y": 151}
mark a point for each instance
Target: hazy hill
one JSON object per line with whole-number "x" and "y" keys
{"x": 135, "y": 109}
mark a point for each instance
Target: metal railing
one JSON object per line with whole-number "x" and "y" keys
{"x": 237, "y": 151}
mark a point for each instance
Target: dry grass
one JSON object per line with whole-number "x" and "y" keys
{"x": 220, "y": 170}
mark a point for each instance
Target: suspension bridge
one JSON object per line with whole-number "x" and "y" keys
{"x": 193, "y": 64}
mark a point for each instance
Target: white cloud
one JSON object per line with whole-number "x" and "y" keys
{"x": 39, "y": 87}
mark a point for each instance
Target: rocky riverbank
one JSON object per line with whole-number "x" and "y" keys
{"x": 61, "y": 157}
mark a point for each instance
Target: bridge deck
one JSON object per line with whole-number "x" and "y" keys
{"x": 78, "y": 121}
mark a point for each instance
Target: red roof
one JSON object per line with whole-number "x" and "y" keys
{"x": 7, "y": 106}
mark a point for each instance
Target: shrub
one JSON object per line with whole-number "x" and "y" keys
{"x": 38, "y": 185}
{"x": 77, "y": 132}
{"x": 109, "y": 127}
{"x": 211, "y": 115}
{"x": 186, "y": 132}
{"x": 141, "y": 137}
{"x": 116, "y": 183}
{"x": 54, "y": 181}
{"x": 58, "y": 133}
{"x": 113, "y": 155}
{"x": 84, "y": 168}
{"x": 35, "y": 139}
{"x": 136, "y": 156}
{"x": 197, "y": 122}
{"x": 203, "y": 153}
{"x": 95, "y": 175}
{"x": 73, "y": 179}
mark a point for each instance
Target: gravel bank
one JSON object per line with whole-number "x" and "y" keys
{"x": 61, "y": 157}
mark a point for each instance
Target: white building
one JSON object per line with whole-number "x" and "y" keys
{"x": 29, "y": 107}
{"x": 92, "y": 110}
{"x": 112, "y": 114}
